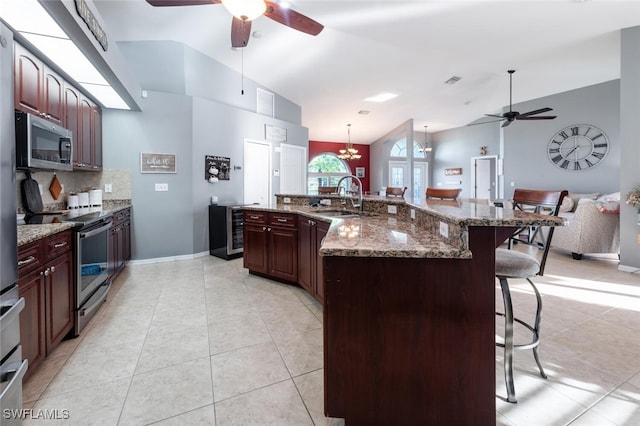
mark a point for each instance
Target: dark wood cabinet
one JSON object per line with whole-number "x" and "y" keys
{"x": 45, "y": 280}
{"x": 271, "y": 245}
{"x": 119, "y": 242}
{"x": 41, "y": 91}
{"x": 310, "y": 235}
{"x": 37, "y": 89}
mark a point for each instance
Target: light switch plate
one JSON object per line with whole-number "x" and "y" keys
{"x": 162, "y": 187}
{"x": 286, "y": 200}
{"x": 444, "y": 229}
{"x": 108, "y": 188}
{"x": 392, "y": 209}
{"x": 413, "y": 214}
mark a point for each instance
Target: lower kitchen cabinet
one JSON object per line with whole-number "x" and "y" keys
{"x": 45, "y": 280}
{"x": 119, "y": 242}
{"x": 271, "y": 244}
{"x": 310, "y": 235}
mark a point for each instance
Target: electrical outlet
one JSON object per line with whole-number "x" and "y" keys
{"x": 108, "y": 187}
{"x": 392, "y": 209}
{"x": 413, "y": 214}
{"x": 286, "y": 200}
{"x": 162, "y": 187}
{"x": 444, "y": 229}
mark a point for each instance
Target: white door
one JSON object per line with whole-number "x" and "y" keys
{"x": 398, "y": 174}
{"x": 420, "y": 179}
{"x": 293, "y": 169}
{"x": 257, "y": 172}
{"x": 483, "y": 185}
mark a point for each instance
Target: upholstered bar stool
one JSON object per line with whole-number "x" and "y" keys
{"x": 443, "y": 193}
{"x": 512, "y": 264}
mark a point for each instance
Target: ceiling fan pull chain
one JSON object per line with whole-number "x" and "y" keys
{"x": 242, "y": 74}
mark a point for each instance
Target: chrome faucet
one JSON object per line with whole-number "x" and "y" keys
{"x": 344, "y": 201}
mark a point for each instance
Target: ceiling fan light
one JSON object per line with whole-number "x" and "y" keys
{"x": 246, "y": 10}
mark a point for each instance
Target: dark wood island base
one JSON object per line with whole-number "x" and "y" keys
{"x": 411, "y": 340}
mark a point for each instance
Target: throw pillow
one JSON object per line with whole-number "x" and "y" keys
{"x": 576, "y": 198}
{"x": 608, "y": 207}
{"x": 567, "y": 205}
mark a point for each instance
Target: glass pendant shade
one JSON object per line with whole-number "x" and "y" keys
{"x": 246, "y": 10}
{"x": 349, "y": 152}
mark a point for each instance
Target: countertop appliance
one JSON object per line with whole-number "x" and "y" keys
{"x": 225, "y": 231}
{"x": 42, "y": 144}
{"x": 12, "y": 366}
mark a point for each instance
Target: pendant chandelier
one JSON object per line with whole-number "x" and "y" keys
{"x": 426, "y": 147}
{"x": 349, "y": 153}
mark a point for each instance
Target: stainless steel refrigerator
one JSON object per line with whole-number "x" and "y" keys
{"x": 12, "y": 366}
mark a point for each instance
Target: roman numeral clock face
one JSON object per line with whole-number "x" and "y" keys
{"x": 578, "y": 147}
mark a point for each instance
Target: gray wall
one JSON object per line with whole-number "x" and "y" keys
{"x": 178, "y": 118}
{"x": 455, "y": 148}
{"x": 629, "y": 131}
{"x": 379, "y": 155}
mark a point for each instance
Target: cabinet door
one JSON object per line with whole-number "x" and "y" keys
{"x": 85, "y": 132}
{"x": 28, "y": 80}
{"x": 283, "y": 254}
{"x": 96, "y": 137}
{"x": 306, "y": 253}
{"x": 59, "y": 299}
{"x": 321, "y": 231}
{"x": 72, "y": 121}
{"x": 32, "y": 318}
{"x": 52, "y": 97}
{"x": 255, "y": 248}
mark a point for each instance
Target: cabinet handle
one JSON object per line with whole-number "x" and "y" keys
{"x": 254, "y": 217}
{"x": 62, "y": 244}
{"x": 282, "y": 220}
{"x": 269, "y": 229}
{"x": 264, "y": 228}
{"x": 53, "y": 269}
{"x": 27, "y": 261}
{"x": 45, "y": 273}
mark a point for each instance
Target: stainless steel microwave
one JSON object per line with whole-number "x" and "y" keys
{"x": 42, "y": 144}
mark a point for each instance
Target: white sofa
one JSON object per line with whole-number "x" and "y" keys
{"x": 594, "y": 225}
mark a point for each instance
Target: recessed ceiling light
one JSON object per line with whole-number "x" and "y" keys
{"x": 256, "y": 34}
{"x": 381, "y": 97}
{"x": 363, "y": 112}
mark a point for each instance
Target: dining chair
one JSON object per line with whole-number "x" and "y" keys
{"x": 392, "y": 191}
{"x": 443, "y": 193}
{"x": 327, "y": 189}
{"x": 512, "y": 264}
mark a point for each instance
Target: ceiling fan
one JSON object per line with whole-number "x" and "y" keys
{"x": 244, "y": 12}
{"x": 511, "y": 115}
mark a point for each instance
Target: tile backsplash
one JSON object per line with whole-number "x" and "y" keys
{"x": 74, "y": 182}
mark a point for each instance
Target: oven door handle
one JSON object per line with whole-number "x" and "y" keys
{"x": 99, "y": 297}
{"x": 95, "y": 231}
{"x": 10, "y": 315}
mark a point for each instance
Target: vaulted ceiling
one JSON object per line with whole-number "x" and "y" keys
{"x": 409, "y": 48}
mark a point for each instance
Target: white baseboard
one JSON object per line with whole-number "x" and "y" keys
{"x": 630, "y": 269}
{"x": 169, "y": 258}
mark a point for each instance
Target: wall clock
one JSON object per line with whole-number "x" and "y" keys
{"x": 578, "y": 147}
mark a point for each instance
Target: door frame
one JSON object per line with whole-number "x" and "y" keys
{"x": 495, "y": 175}
{"x": 269, "y": 167}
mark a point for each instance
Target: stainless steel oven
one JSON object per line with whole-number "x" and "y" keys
{"x": 92, "y": 272}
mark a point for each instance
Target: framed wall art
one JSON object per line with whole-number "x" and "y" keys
{"x": 453, "y": 171}
{"x": 216, "y": 168}
{"x": 360, "y": 172}
{"x": 157, "y": 163}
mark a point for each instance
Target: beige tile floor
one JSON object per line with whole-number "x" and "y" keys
{"x": 201, "y": 342}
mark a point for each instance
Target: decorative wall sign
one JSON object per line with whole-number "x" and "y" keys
{"x": 157, "y": 163}
{"x": 453, "y": 171}
{"x": 360, "y": 172}
{"x": 216, "y": 168}
{"x": 94, "y": 26}
{"x": 276, "y": 134}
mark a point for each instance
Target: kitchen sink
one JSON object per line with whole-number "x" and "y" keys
{"x": 337, "y": 213}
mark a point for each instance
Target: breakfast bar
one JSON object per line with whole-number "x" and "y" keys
{"x": 409, "y": 308}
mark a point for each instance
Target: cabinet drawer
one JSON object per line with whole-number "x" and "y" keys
{"x": 57, "y": 244}
{"x": 259, "y": 218}
{"x": 30, "y": 257}
{"x": 283, "y": 220}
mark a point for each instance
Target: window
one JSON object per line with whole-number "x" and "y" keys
{"x": 325, "y": 170}
{"x": 399, "y": 149}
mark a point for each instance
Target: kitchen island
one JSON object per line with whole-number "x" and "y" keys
{"x": 409, "y": 309}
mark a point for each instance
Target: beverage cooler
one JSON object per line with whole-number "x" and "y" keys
{"x": 225, "y": 231}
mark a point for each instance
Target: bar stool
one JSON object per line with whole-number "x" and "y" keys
{"x": 392, "y": 191}
{"x": 511, "y": 264}
{"x": 443, "y": 193}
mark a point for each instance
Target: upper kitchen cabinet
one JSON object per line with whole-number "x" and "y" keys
{"x": 38, "y": 89}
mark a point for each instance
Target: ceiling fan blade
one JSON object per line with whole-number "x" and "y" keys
{"x": 494, "y": 115}
{"x": 506, "y": 123}
{"x": 484, "y": 122}
{"x": 538, "y": 111}
{"x": 160, "y": 3}
{"x": 292, "y": 19}
{"x": 240, "y": 32}
{"x": 539, "y": 117}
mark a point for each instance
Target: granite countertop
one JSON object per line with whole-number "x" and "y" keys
{"x": 378, "y": 234}
{"x": 30, "y": 233}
